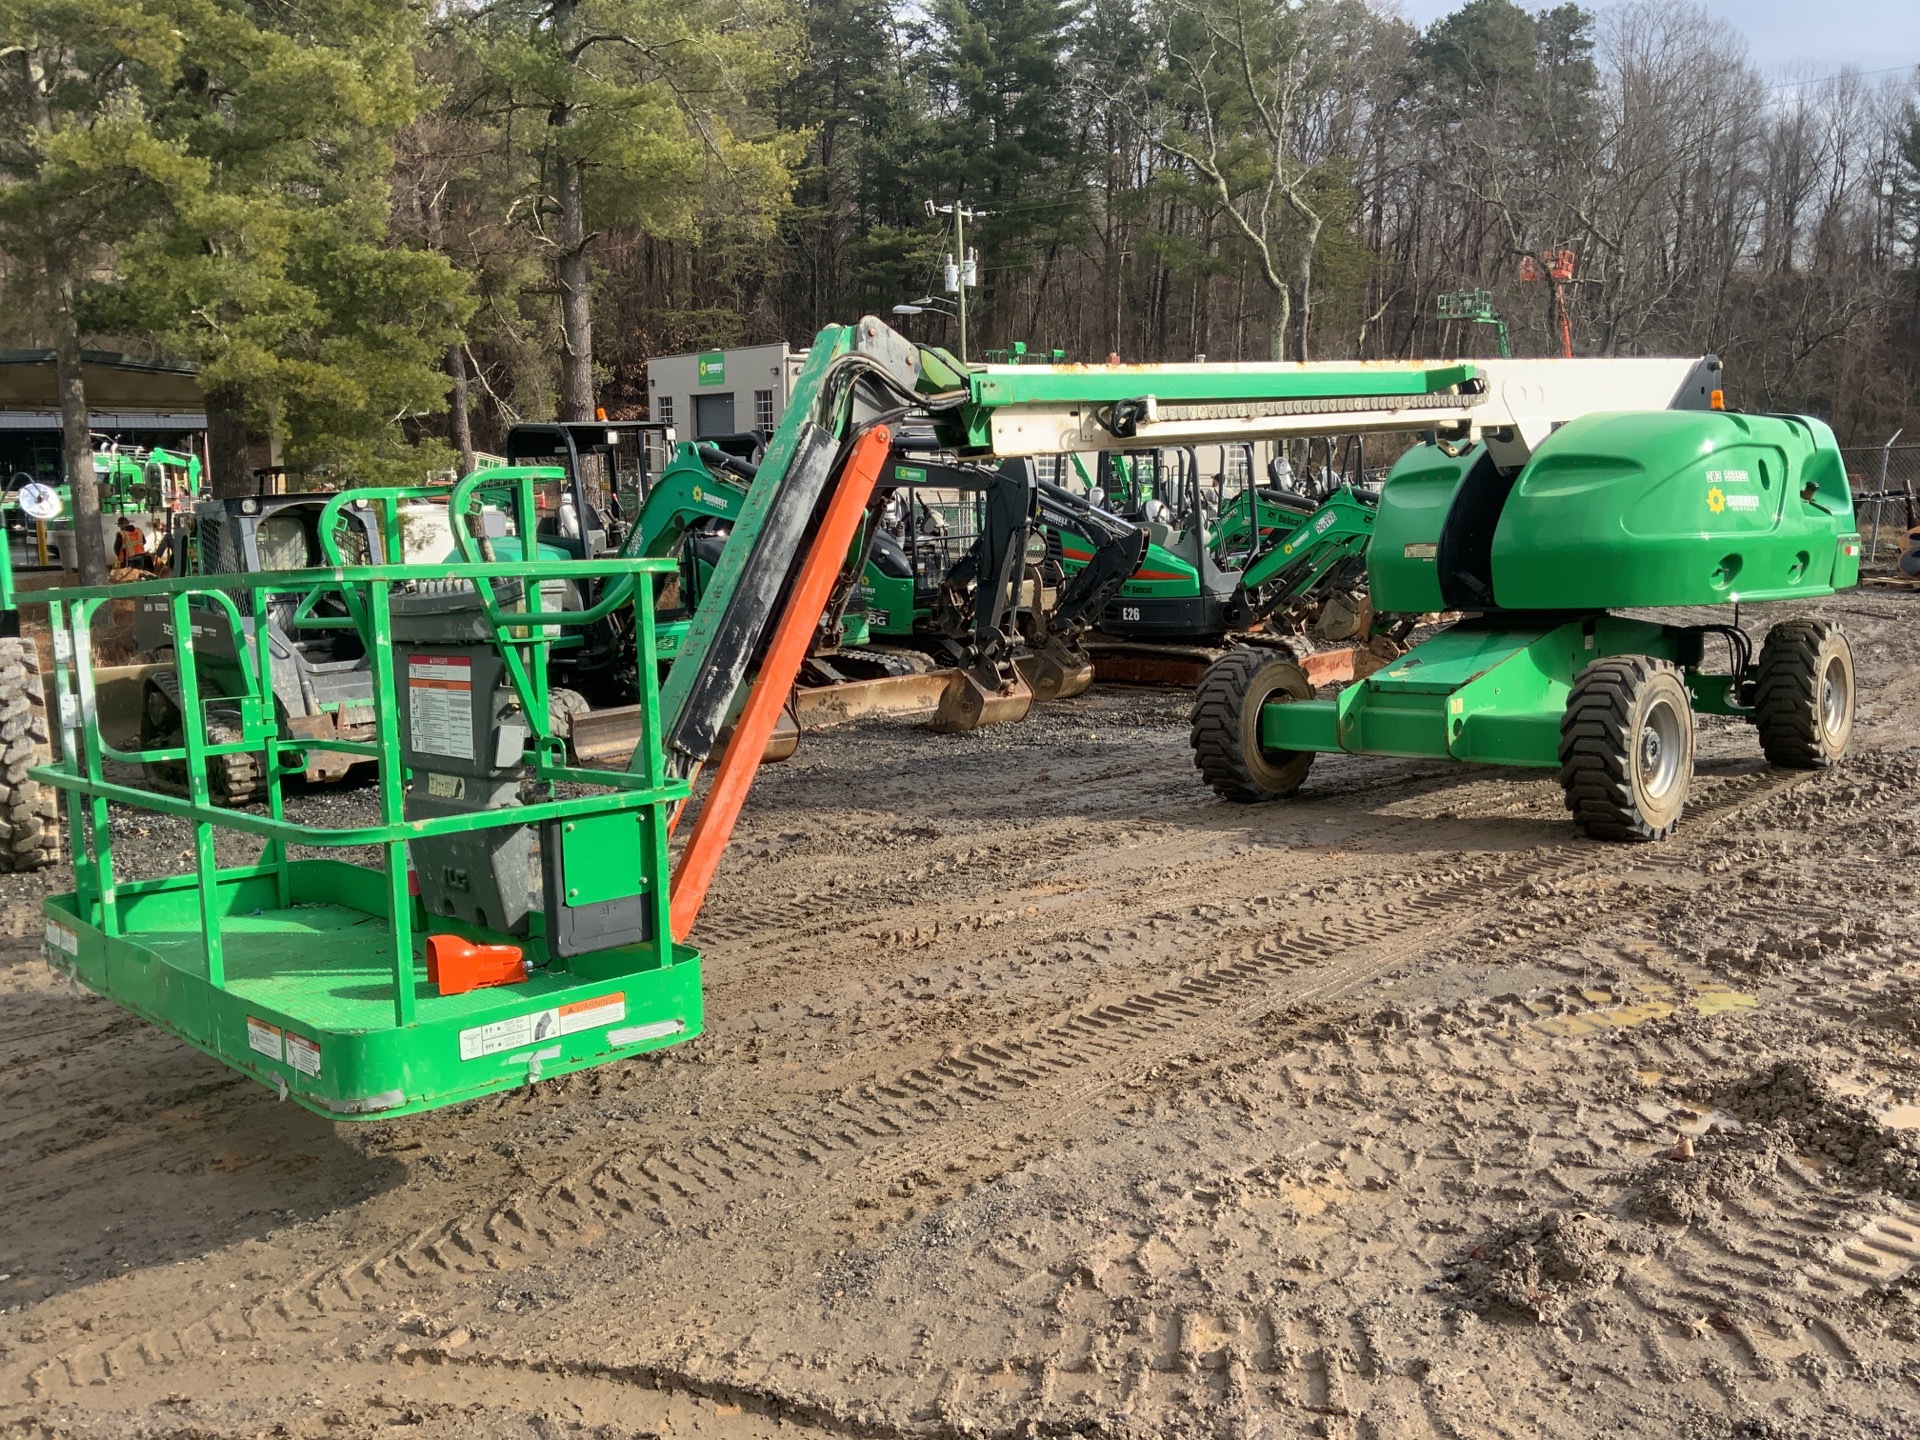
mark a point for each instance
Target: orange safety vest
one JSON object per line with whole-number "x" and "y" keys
{"x": 127, "y": 542}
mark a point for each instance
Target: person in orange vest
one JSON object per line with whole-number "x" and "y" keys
{"x": 130, "y": 546}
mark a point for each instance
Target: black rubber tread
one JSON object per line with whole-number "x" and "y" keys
{"x": 30, "y": 834}
{"x": 1786, "y": 695}
{"x": 1597, "y": 736}
{"x": 236, "y": 780}
{"x": 1230, "y": 693}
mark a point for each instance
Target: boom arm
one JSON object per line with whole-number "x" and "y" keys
{"x": 1512, "y": 404}
{"x": 1337, "y": 532}
{"x": 1117, "y": 547}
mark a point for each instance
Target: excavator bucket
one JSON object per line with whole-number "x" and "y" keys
{"x": 1057, "y": 671}
{"x": 784, "y": 740}
{"x": 607, "y": 737}
{"x": 901, "y": 695}
{"x": 969, "y": 704}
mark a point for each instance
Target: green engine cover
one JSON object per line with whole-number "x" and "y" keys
{"x": 1402, "y": 576}
{"x": 1643, "y": 509}
{"x": 1677, "y": 507}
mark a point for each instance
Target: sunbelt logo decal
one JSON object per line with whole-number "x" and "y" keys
{"x": 1719, "y": 501}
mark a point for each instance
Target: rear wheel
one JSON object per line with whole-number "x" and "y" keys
{"x": 29, "y": 811}
{"x": 1226, "y": 726}
{"x": 1626, "y": 748}
{"x": 1803, "y": 697}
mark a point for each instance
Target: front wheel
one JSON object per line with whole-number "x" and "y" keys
{"x": 1226, "y": 726}
{"x": 1626, "y": 748}
{"x": 1803, "y": 694}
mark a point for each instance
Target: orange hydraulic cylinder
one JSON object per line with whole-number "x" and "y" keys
{"x": 785, "y": 654}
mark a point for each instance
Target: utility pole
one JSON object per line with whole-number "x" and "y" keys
{"x": 966, "y": 271}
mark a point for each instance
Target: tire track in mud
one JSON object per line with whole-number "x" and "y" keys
{"x": 1218, "y": 1348}
{"x": 976, "y": 1103}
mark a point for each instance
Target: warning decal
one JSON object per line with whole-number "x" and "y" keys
{"x": 303, "y": 1054}
{"x": 62, "y": 938}
{"x": 265, "y": 1038}
{"x": 541, "y": 1025}
{"x": 585, "y": 1014}
{"x": 440, "y": 704}
{"x": 509, "y": 1034}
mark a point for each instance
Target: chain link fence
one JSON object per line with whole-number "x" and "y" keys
{"x": 1886, "y": 499}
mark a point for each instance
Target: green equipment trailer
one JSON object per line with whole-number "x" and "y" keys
{"x": 318, "y": 976}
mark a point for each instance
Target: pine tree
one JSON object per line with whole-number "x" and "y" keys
{"x": 277, "y": 275}
{"x": 632, "y": 113}
{"x": 84, "y": 169}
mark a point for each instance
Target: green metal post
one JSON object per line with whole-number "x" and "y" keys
{"x": 387, "y": 696}
{"x": 194, "y": 732}
{"x": 81, "y": 638}
{"x": 656, "y": 852}
{"x": 274, "y": 852}
{"x": 86, "y": 873}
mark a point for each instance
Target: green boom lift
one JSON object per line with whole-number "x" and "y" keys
{"x": 468, "y": 958}
{"x": 1631, "y": 510}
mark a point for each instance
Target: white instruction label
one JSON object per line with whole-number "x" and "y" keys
{"x": 585, "y": 1014}
{"x": 303, "y": 1054}
{"x": 509, "y": 1034}
{"x": 265, "y": 1038}
{"x": 447, "y": 787}
{"x": 440, "y": 704}
{"x": 62, "y": 939}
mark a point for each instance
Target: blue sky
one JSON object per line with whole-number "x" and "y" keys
{"x": 1788, "y": 37}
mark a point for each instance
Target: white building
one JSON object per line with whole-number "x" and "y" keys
{"x": 722, "y": 392}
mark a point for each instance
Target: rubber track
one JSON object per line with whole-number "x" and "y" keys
{"x": 237, "y": 780}
{"x": 982, "y": 1102}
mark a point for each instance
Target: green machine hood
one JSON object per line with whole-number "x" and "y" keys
{"x": 1613, "y": 511}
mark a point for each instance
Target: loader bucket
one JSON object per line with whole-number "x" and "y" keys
{"x": 1057, "y": 671}
{"x": 781, "y": 744}
{"x": 1179, "y": 666}
{"x": 969, "y": 704}
{"x": 118, "y": 694}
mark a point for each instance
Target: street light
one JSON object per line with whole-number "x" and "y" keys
{"x": 925, "y": 305}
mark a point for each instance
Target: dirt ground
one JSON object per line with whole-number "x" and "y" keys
{"x": 1045, "y": 1094}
